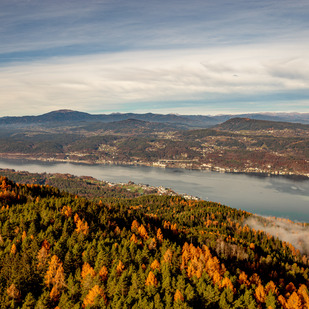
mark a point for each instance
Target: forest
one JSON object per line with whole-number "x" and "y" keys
{"x": 63, "y": 250}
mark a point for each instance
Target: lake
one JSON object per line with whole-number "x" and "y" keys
{"x": 270, "y": 196}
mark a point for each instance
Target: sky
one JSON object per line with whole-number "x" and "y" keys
{"x": 173, "y": 56}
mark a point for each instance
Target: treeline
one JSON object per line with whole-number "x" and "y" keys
{"x": 83, "y": 186}
{"x": 59, "y": 250}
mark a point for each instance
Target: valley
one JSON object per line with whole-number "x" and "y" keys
{"x": 239, "y": 145}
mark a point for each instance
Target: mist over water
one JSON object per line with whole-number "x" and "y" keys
{"x": 268, "y": 196}
{"x": 293, "y": 233}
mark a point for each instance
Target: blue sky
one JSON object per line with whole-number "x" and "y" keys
{"x": 172, "y": 56}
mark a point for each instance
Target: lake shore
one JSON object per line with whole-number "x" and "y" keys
{"x": 181, "y": 164}
{"x": 279, "y": 196}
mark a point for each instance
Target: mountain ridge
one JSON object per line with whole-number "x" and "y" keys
{"x": 239, "y": 124}
{"x": 202, "y": 121}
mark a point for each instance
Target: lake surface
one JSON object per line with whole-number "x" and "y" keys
{"x": 274, "y": 196}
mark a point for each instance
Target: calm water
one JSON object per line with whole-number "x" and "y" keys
{"x": 277, "y": 196}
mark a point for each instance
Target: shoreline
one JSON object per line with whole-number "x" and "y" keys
{"x": 160, "y": 190}
{"x": 188, "y": 166}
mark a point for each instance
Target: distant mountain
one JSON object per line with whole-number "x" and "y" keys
{"x": 239, "y": 124}
{"x": 55, "y": 116}
{"x": 67, "y": 117}
{"x": 283, "y": 117}
{"x": 64, "y": 115}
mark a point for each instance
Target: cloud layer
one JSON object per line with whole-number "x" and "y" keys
{"x": 212, "y": 79}
{"x": 175, "y": 56}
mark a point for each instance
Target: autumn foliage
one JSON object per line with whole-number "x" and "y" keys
{"x": 64, "y": 251}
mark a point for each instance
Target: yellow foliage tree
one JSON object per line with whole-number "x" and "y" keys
{"x": 87, "y": 270}
{"x": 76, "y": 217}
{"x": 151, "y": 279}
{"x": 134, "y": 226}
{"x": 13, "y": 292}
{"x": 95, "y": 293}
{"x": 143, "y": 232}
{"x": 190, "y": 271}
{"x": 282, "y": 301}
{"x": 120, "y": 268}
{"x": 259, "y": 294}
{"x": 304, "y": 295}
{"x": 271, "y": 287}
{"x": 55, "y": 275}
{"x": 185, "y": 257}
{"x": 178, "y": 296}
{"x": 87, "y": 275}
{"x": 294, "y": 302}
{"x": 117, "y": 230}
{"x": 134, "y": 239}
{"x": 82, "y": 226}
{"x": 217, "y": 278}
{"x": 103, "y": 273}
{"x": 67, "y": 211}
{"x": 168, "y": 255}
{"x": 54, "y": 293}
{"x": 227, "y": 283}
{"x": 212, "y": 266}
{"x": 13, "y": 249}
{"x": 159, "y": 235}
{"x": 155, "y": 265}
{"x": 252, "y": 246}
{"x": 23, "y": 236}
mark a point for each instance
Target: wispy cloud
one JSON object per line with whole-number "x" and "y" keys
{"x": 118, "y": 79}
{"x": 32, "y": 25}
{"x": 120, "y": 55}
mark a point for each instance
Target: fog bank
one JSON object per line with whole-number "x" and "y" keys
{"x": 286, "y": 230}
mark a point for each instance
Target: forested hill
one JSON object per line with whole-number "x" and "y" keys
{"x": 59, "y": 250}
{"x": 240, "y": 124}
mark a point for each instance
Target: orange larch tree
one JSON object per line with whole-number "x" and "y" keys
{"x": 294, "y": 302}
{"x": 151, "y": 279}
{"x": 93, "y": 295}
{"x": 178, "y": 296}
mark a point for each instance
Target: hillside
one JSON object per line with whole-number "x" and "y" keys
{"x": 83, "y": 186}
{"x": 62, "y": 251}
{"x": 246, "y": 124}
{"x": 278, "y": 117}
{"x": 237, "y": 145}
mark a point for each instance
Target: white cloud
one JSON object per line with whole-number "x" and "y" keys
{"x": 115, "y": 81}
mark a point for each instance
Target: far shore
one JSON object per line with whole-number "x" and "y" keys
{"x": 182, "y": 164}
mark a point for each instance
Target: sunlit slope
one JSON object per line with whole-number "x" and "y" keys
{"x": 58, "y": 249}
